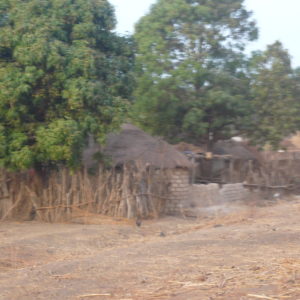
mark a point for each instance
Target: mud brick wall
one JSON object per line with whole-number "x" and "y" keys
{"x": 179, "y": 191}
{"x": 184, "y": 196}
{"x": 202, "y": 195}
{"x": 234, "y": 193}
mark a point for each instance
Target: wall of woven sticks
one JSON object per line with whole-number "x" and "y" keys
{"x": 128, "y": 192}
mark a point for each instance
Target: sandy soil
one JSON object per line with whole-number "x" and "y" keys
{"x": 252, "y": 253}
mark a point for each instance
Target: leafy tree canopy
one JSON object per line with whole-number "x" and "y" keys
{"x": 275, "y": 94}
{"x": 64, "y": 74}
{"x": 191, "y": 82}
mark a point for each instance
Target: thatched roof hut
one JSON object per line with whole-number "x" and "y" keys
{"x": 291, "y": 155}
{"x": 158, "y": 167}
{"x": 184, "y": 147}
{"x": 236, "y": 150}
{"x": 132, "y": 144}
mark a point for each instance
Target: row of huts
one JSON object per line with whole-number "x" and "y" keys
{"x": 144, "y": 177}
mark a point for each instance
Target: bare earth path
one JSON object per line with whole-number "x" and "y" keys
{"x": 251, "y": 254}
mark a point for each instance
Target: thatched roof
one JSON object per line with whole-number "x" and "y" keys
{"x": 185, "y": 147}
{"x": 281, "y": 155}
{"x": 133, "y": 144}
{"x": 236, "y": 149}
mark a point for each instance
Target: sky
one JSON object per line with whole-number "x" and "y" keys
{"x": 277, "y": 20}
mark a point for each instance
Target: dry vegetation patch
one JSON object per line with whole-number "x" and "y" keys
{"x": 252, "y": 253}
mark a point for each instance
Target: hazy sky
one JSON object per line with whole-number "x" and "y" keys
{"x": 277, "y": 20}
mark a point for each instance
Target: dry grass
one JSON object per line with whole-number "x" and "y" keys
{"x": 253, "y": 254}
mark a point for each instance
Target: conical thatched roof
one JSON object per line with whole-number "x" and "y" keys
{"x": 185, "y": 147}
{"x": 133, "y": 144}
{"x": 236, "y": 149}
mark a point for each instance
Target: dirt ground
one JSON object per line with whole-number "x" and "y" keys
{"x": 251, "y": 253}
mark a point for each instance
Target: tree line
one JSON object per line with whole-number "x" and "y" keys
{"x": 184, "y": 74}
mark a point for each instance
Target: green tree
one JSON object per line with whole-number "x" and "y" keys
{"x": 64, "y": 74}
{"x": 190, "y": 74}
{"x": 275, "y": 96}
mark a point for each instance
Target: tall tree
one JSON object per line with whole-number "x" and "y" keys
{"x": 190, "y": 79}
{"x": 275, "y": 96}
{"x": 64, "y": 74}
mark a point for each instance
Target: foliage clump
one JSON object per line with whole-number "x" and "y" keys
{"x": 196, "y": 83}
{"x": 64, "y": 74}
{"x": 274, "y": 90}
{"x": 191, "y": 81}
